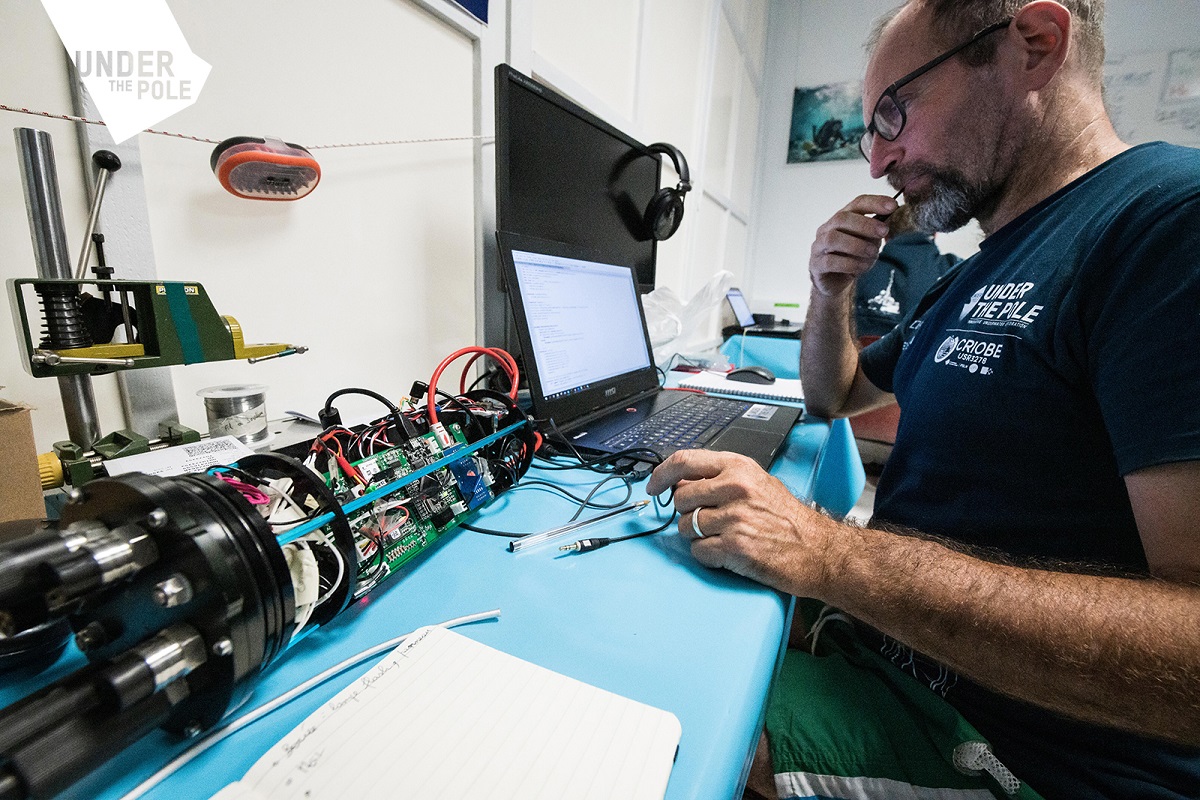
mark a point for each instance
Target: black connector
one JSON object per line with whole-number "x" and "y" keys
{"x": 640, "y": 472}
{"x": 329, "y": 417}
{"x": 405, "y": 427}
{"x": 419, "y": 389}
{"x": 586, "y": 545}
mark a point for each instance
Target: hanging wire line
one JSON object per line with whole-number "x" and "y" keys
{"x": 71, "y": 118}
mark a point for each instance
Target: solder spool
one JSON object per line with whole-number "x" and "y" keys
{"x": 237, "y": 410}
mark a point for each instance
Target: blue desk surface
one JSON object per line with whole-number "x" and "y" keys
{"x": 832, "y": 474}
{"x": 639, "y": 618}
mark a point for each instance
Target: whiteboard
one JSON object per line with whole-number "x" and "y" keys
{"x": 1155, "y": 96}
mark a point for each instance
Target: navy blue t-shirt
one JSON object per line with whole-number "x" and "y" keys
{"x": 1032, "y": 378}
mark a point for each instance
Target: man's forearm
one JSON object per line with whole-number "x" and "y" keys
{"x": 1114, "y": 651}
{"x": 828, "y": 353}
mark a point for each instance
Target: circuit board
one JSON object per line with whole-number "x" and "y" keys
{"x": 410, "y": 519}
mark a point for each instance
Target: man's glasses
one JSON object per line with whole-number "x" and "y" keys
{"x": 889, "y": 115}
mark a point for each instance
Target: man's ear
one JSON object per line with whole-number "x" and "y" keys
{"x": 1043, "y": 29}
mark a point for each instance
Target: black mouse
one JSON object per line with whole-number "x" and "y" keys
{"x": 752, "y": 375}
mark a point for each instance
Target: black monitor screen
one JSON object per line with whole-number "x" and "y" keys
{"x": 565, "y": 175}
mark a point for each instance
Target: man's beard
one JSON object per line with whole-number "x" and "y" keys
{"x": 951, "y": 202}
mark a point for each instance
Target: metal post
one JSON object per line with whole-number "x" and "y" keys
{"x": 40, "y": 178}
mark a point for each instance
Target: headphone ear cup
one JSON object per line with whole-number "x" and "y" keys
{"x": 664, "y": 214}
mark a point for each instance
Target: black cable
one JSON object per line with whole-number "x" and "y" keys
{"x": 590, "y": 544}
{"x": 487, "y": 375}
{"x": 636, "y": 453}
{"x": 470, "y": 417}
{"x": 671, "y": 363}
{"x": 483, "y": 376}
{"x": 587, "y": 500}
{"x": 553, "y": 487}
{"x": 355, "y": 390}
{"x": 490, "y": 532}
{"x": 584, "y": 503}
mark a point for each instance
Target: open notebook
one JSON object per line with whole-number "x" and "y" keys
{"x": 786, "y": 390}
{"x": 443, "y": 716}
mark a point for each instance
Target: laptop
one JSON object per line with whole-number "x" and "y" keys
{"x": 590, "y": 366}
{"x": 747, "y": 322}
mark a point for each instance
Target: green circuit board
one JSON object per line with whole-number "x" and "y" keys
{"x": 406, "y": 522}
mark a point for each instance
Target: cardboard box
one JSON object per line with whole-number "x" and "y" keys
{"x": 20, "y": 483}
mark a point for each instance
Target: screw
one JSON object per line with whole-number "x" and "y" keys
{"x": 222, "y": 647}
{"x": 93, "y": 635}
{"x": 174, "y": 591}
{"x": 157, "y": 518}
{"x": 74, "y": 494}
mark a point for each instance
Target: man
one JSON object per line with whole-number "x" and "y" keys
{"x": 1041, "y": 549}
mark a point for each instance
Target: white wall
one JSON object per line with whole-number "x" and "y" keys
{"x": 814, "y": 42}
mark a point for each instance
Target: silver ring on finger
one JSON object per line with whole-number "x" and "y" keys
{"x": 696, "y": 524}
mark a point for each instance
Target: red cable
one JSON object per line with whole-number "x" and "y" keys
{"x": 509, "y": 366}
{"x": 506, "y": 361}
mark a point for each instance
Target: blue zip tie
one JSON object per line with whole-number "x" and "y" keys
{"x": 454, "y": 454}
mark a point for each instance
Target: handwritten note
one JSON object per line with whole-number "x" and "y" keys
{"x": 443, "y": 716}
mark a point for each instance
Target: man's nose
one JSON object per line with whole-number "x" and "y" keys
{"x": 884, "y": 157}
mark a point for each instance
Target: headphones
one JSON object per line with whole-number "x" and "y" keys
{"x": 665, "y": 211}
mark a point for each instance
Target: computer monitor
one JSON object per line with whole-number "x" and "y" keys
{"x": 565, "y": 175}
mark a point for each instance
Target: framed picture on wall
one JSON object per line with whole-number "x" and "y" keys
{"x": 826, "y": 123}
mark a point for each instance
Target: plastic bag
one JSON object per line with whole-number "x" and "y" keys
{"x": 688, "y": 329}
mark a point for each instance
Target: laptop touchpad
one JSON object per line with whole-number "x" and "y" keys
{"x": 759, "y": 445}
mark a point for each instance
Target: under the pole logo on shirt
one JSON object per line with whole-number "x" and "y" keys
{"x": 995, "y": 314}
{"x": 974, "y": 301}
{"x": 1001, "y": 305}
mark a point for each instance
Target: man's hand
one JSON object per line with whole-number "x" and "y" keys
{"x": 848, "y": 244}
{"x": 751, "y": 524}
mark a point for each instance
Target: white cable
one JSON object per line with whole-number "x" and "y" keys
{"x": 304, "y": 612}
{"x": 341, "y": 562}
{"x": 221, "y": 732}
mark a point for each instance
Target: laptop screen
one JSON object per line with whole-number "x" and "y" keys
{"x": 583, "y": 320}
{"x": 741, "y": 309}
{"x": 581, "y": 325}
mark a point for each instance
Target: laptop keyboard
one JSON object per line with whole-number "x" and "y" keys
{"x": 690, "y": 423}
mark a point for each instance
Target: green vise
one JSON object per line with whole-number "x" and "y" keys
{"x": 164, "y": 323}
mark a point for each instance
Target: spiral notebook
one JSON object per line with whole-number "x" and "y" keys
{"x": 443, "y": 716}
{"x": 783, "y": 390}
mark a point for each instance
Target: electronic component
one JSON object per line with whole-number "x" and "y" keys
{"x": 403, "y": 525}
